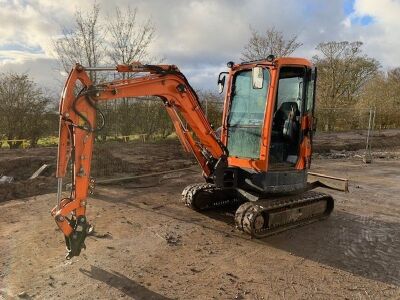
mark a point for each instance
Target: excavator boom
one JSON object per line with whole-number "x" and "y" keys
{"x": 78, "y": 127}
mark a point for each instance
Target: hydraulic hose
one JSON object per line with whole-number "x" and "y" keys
{"x": 88, "y": 127}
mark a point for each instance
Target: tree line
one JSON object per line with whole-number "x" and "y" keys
{"x": 25, "y": 110}
{"x": 349, "y": 81}
{"x": 147, "y": 116}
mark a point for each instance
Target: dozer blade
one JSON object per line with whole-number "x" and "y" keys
{"x": 321, "y": 180}
{"x": 267, "y": 217}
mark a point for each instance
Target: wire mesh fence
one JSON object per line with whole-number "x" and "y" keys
{"x": 343, "y": 119}
{"x": 144, "y": 119}
{"x": 133, "y": 122}
{"x": 344, "y": 129}
{"x": 138, "y": 137}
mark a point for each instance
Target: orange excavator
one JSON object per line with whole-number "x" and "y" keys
{"x": 258, "y": 160}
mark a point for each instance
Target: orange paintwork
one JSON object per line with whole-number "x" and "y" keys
{"x": 274, "y": 68}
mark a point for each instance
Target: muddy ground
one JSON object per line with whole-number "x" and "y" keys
{"x": 326, "y": 142}
{"x": 149, "y": 246}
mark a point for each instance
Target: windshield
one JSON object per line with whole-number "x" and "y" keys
{"x": 246, "y": 115}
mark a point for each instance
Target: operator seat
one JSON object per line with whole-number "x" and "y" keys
{"x": 285, "y": 146}
{"x": 282, "y": 114}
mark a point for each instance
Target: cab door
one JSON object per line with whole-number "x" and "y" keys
{"x": 310, "y": 100}
{"x": 309, "y": 122}
{"x": 287, "y": 122}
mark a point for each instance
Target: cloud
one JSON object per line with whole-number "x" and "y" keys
{"x": 381, "y": 37}
{"x": 200, "y": 36}
{"x": 43, "y": 70}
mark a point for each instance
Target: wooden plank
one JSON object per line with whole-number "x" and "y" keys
{"x": 336, "y": 183}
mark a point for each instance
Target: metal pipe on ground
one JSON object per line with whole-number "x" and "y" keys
{"x": 130, "y": 178}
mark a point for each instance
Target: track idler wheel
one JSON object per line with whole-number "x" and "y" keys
{"x": 253, "y": 220}
{"x": 200, "y": 201}
{"x": 198, "y": 196}
{"x": 249, "y": 218}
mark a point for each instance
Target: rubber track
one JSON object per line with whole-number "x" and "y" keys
{"x": 191, "y": 191}
{"x": 247, "y": 212}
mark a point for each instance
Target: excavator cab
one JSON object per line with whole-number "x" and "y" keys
{"x": 267, "y": 124}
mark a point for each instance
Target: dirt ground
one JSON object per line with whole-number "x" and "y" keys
{"x": 355, "y": 140}
{"x": 147, "y": 245}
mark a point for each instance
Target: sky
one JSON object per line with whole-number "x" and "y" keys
{"x": 200, "y": 36}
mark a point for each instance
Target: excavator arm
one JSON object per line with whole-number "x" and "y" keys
{"x": 77, "y": 127}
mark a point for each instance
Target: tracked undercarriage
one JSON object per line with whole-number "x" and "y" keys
{"x": 259, "y": 216}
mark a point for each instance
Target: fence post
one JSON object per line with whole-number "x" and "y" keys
{"x": 368, "y": 157}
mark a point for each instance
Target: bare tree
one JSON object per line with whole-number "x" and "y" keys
{"x": 394, "y": 75}
{"x": 343, "y": 70}
{"x": 272, "y": 41}
{"x": 382, "y": 93}
{"x": 212, "y": 104}
{"x": 118, "y": 39}
{"x": 128, "y": 40}
{"x": 24, "y": 109}
{"x": 84, "y": 43}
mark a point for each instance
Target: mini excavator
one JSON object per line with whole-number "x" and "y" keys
{"x": 258, "y": 160}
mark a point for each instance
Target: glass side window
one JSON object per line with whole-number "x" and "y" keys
{"x": 246, "y": 116}
{"x": 310, "y": 91}
{"x": 285, "y": 138}
{"x": 290, "y": 90}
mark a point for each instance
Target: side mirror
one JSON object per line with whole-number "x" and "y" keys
{"x": 258, "y": 77}
{"x": 221, "y": 81}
